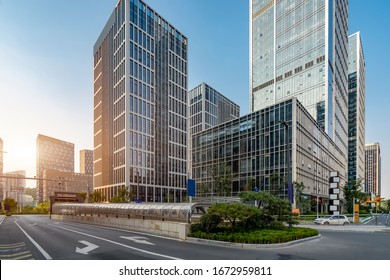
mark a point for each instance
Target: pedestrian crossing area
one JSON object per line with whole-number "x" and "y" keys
{"x": 15, "y": 251}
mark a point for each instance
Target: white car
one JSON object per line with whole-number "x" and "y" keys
{"x": 332, "y": 220}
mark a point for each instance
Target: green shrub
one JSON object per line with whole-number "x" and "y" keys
{"x": 268, "y": 236}
{"x": 208, "y": 223}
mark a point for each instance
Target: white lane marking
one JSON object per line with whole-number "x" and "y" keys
{"x": 120, "y": 244}
{"x": 137, "y": 239}
{"x": 90, "y": 247}
{"x": 123, "y": 230}
{"x": 43, "y": 252}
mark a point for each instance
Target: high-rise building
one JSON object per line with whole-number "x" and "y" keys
{"x": 140, "y": 105}
{"x": 373, "y": 169}
{"x": 207, "y": 108}
{"x": 1, "y": 157}
{"x": 356, "y": 108}
{"x": 86, "y": 161}
{"x": 254, "y": 149}
{"x": 54, "y": 154}
{"x": 63, "y": 181}
{"x": 1, "y": 169}
{"x": 300, "y": 48}
{"x": 14, "y": 185}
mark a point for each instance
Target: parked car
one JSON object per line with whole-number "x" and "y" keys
{"x": 332, "y": 220}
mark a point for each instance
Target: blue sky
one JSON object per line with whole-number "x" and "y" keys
{"x": 46, "y": 66}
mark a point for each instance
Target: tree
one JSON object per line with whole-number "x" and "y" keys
{"x": 123, "y": 195}
{"x": 42, "y": 208}
{"x": 262, "y": 198}
{"x": 96, "y": 196}
{"x": 277, "y": 184}
{"x": 305, "y": 206}
{"x": 250, "y": 183}
{"x": 10, "y": 205}
{"x": 232, "y": 212}
{"x": 352, "y": 191}
{"x": 221, "y": 174}
{"x": 204, "y": 189}
{"x": 299, "y": 187}
{"x": 269, "y": 204}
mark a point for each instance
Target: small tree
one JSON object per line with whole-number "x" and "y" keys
{"x": 250, "y": 183}
{"x": 232, "y": 212}
{"x": 123, "y": 196}
{"x": 299, "y": 187}
{"x": 96, "y": 196}
{"x": 221, "y": 174}
{"x": 353, "y": 191}
{"x": 10, "y": 205}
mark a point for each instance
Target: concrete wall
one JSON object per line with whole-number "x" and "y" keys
{"x": 164, "y": 228}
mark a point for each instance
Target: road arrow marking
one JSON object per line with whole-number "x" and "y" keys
{"x": 87, "y": 249}
{"x": 137, "y": 239}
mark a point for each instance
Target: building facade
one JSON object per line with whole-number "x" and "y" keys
{"x": 1, "y": 157}
{"x": 1, "y": 169}
{"x": 356, "y": 108}
{"x": 373, "y": 169}
{"x": 54, "y": 154}
{"x": 140, "y": 105}
{"x": 14, "y": 185}
{"x": 253, "y": 150}
{"x": 63, "y": 181}
{"x": 207, "y": 108}
{"x": 299, "y": 48}
{"x": 86, "y": 162}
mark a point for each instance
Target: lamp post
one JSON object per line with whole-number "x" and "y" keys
{"x": 137, "y": 185}
{"x": 315, "y": 185}
{"x": 287, "y": 137}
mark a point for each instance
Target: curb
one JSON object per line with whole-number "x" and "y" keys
{"x": 250, "y": 246}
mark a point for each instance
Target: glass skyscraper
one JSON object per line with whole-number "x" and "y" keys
{"x": 140, "y": 105}
{"x": 207, "y": 108}
{"x": 356, "y": 108}
{"x": 253, "y": 148}
{"x": 299, "y": 48}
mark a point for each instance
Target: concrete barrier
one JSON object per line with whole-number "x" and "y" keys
{"x": 163, "y": 228}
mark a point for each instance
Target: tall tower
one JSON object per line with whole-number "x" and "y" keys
{"x": 140, "y": 105}
{"x": 86, "y": 161}
{"x": 356, "y": 108}
{"x": 207, "y": 108}
{"x": 300, "y": 48}
{"x": 54, "y": 154}
{"x": 373, "y": 169}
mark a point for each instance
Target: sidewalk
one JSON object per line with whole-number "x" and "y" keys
{"x": 350, "y": 228}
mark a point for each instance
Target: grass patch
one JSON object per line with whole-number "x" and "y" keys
{"x": 262, "y": 236}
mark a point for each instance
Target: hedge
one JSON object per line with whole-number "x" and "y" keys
{"x": 266, "y": 236}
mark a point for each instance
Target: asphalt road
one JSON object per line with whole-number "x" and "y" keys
{"x": 38, "y": 237}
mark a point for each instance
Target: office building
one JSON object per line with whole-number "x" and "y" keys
{"x": 63, "y": 181}
{"x": 140, "y": 105}
{"x": 1, "y": 157}
{"x": 373, "y": 169}
{"x": 252, "y": 150}
{"x": 299, "y": 48}
{"x": 1, "y": 169}
{"x": 14, "y": 185}
{"x": 86, "y": 161}
{"x": 54, "y": 154}
{"x": 207, "y": 108}
{"x": 356, "y": 108}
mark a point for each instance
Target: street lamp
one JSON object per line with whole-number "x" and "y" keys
{"x": 137, "y": 185}
{"x": 315, "y": 185}
{"x": 289, "y": 187}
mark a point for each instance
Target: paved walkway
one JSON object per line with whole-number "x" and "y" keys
{"x": 354, "y": 228}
